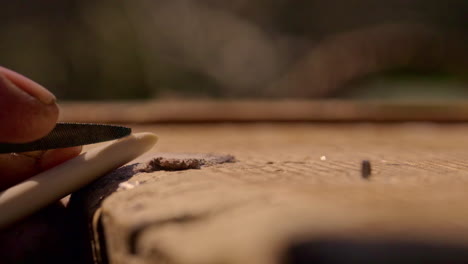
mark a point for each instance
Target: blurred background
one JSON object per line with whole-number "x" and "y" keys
{"x": 145, "y": 49}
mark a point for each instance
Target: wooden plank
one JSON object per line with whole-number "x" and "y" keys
{"x": 257, "y": 110}
{"x": 292, "y": 184}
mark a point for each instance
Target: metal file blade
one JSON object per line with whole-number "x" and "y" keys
{"x": 66, "y": 135}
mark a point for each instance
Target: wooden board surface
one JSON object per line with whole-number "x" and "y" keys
{"x": 292, "y": 184}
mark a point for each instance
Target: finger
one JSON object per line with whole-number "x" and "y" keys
{"x": 42, "y": 234}
{"x": 15, "y": 168}
{"x": 55, "y": 157}
{"x": 32, "y": 88}
{"x": 27, "y": 110}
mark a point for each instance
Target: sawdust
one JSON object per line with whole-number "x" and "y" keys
{"x": 182, "y": 161}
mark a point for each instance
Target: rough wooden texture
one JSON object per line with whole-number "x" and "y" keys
{"x": 252, "y": 111}
{"x": 291, "y": 184}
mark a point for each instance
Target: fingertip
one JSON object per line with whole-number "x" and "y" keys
{"x": 54, "y": 157}
{"x": 23, "y": 117}
{"x": 15, "y": 168}
{"x": 29, "y": 86}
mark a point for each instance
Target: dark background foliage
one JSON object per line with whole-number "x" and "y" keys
{"x": 144, "y": 49}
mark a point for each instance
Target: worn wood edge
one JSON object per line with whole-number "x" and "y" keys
{"x": 296, "y": 219}
{"x": 369, "y": 183}
{"x": 194, "y": 111}
{"x": 86, "y": 204}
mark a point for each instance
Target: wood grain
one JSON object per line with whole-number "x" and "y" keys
{"x": 292, "y": 182}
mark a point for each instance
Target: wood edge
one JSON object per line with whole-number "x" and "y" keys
{"x": 201, "y": 111}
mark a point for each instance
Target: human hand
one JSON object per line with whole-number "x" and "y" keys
{"x": 27, "y": 112}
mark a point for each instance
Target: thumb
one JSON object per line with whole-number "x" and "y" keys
{"x": 27, "y": 110}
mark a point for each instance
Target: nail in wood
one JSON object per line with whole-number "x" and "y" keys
{"x": 366, "y": 169}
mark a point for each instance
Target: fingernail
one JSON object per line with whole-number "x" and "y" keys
{"x": 30, "y": 87}
{"x": 43, "y": 95}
